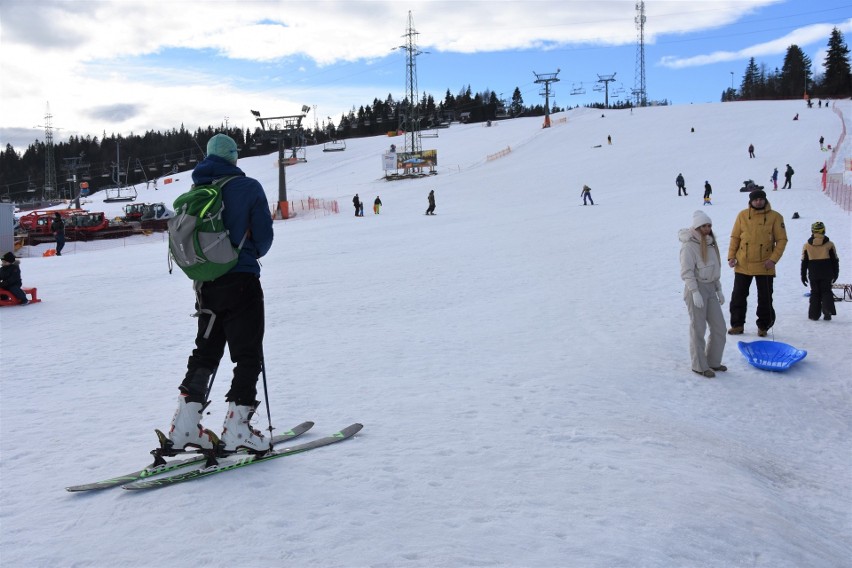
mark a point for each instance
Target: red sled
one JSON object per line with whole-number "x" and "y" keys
{"x": 7, "y": 299}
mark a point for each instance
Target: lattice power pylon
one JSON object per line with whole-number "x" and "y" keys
{"x": 639, "y": 92}
{"x": 410, "y": 118}
{"x": 51, "y": 190}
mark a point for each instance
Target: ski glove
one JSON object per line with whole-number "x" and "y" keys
{"x": 721, "y": 297}
{"x": 697, "y": 300}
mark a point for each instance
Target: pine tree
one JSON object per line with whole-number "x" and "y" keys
{"x": 795, "y": 74}
{"x": 517, "y": 106}
{"x": 837, "y": 81}
{"x": 748, "y": 88}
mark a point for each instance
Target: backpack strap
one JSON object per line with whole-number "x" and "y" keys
{"x": 220, "y": 184}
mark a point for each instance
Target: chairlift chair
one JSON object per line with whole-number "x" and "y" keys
{"x": 334, "y": 146}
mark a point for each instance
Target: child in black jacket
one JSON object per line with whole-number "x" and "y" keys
{"x": 821, "y": 264}
{"x": 10, "y": 277}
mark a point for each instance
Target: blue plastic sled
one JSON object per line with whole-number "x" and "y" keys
{"x": 771, "y": 355}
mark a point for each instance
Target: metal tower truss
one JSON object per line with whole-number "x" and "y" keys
{"x": 410, "y": 117}
{"x": 639, "y": 92}
{"x": 51, "y": 190}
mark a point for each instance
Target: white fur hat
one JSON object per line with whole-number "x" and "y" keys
{"x": 700, "y": 218}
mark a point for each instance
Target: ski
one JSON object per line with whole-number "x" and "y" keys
{"x": 250, "y": 459}
{"x": 197, "y": 458}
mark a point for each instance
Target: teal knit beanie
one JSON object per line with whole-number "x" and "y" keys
{"x": 223, "y": 146}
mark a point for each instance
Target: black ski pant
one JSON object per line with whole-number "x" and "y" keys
{"x": 788, "y": 183}
{"x": 60, "y": 244}
{"x": 821, "y": 300}
{"x": 739, "y": 300}
{"x": 231, "y": 313}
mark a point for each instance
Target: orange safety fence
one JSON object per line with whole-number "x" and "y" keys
{"x": 832, "y": 183}
{"x": 505, "y": 151}
{"x": 307, "y": 207}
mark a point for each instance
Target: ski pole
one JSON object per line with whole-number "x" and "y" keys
{"x": 266, "y": 398}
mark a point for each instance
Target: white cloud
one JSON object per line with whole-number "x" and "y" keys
{"x": 803, "y": 36}
{"x": 86, "y": 54}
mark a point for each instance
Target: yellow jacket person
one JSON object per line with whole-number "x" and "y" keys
{"x": 758, "y": 240}
{"x": 758, "y": 236}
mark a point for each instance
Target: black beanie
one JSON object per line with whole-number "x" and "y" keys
{"x": 756, "y": 194}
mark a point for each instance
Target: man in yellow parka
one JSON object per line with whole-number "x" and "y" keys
{"x": 758, "y": 240}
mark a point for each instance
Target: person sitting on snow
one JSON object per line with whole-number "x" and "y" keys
{"x": 10, "y": 277}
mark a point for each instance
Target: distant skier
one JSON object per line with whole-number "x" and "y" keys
{"x": 822, "y": 143}
{"x": 587, "y": 194}
{"x": 751, "y": 150}
{"x": 774, "y": 179}
{"x": 356, "y": 202}
{"x": 707, "y": 191}
{"x": 431, "y": 209}
{"x": 58, "y": 229}
{"x": 377, "y": 204}
{"x": 609, "y": 139}
{"x": 681, "y": 184}
{"x": 788, "y": 178}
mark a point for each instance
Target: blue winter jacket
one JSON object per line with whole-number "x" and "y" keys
{"x": 244, "y": 208}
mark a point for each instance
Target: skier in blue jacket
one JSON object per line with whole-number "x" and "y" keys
{"x": 230, "y": 312}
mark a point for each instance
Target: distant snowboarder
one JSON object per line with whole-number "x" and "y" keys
{"x": 707, "y": 191}
{"x": 356, "y": 202}
{"x": 431, "y": 209}
{"x": 587, "y": 194}
{"x": 774, "y": 179}
{"x": 751, "y": 150}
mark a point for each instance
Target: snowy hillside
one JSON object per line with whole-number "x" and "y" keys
{"x": 520, "y": 363}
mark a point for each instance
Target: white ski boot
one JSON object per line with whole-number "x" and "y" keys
{"x": 186, "y": 427}
{"x": 238, "y": 433}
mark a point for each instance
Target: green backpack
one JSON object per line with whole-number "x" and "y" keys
{"x": 199, "y": 243}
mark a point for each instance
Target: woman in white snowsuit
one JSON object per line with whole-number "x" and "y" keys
{"x": 700, "y": 269}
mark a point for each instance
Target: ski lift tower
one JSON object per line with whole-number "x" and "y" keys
{"x": 410, "y": 120}
{"x": 280, "y": 128}
{"x": 606, "y": 80}
{"x": 547, "y": 79}
{"x": 72, "y": 165}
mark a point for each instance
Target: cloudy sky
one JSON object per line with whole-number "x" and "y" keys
{"x": 131, "y": 66}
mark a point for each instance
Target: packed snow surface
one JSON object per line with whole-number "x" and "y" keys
{"x": 519, "y": 361}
